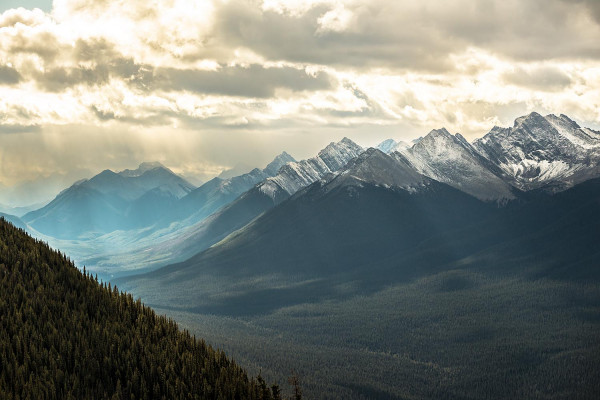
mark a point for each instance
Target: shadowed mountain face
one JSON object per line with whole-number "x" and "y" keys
{"x": 345, "y": 227}
{"x": 110, "y": 201}
{"x": 291, "y": 177}
{"x": 377, "y": 222}
{"x": 399, "y": 275}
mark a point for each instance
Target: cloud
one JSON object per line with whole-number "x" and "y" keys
{"x": 9, "y": 75}
{"x": 409, "y": 35}
{"x": 22, "y": 16}
{"x": 136, "y": 78}
{"x": 246, "y": 81}
{"x": 541, "y": 78}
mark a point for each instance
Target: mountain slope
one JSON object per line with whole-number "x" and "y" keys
{"x": 259, "y": 199}
{"x": 110, "y": 201}
{"x": 406, "y": 286}
{"x": 64, "y": 335}
{"x": 542, "y": 151}
{"x": 341, "y": 228}
{"x": 218, "y": 192}
{"x": 452, "y": 160}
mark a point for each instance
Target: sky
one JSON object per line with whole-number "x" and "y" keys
{"x": 204, "y": 85}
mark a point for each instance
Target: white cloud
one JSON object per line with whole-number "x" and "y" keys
{"x": 274, "y": 69}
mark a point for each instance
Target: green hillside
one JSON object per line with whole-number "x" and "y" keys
{"x": 64, "y": 335}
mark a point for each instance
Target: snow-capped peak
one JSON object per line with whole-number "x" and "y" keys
{"x": 454, "y": 161}
{"x": 540, "y": 150}
{"x": 293, "y": 176}
{"x": 277, "y": 163}
{"x": 336, "y": 155}
{"x": 387, "y": 146}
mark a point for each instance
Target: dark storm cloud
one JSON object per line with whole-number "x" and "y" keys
{"x": 58, "y": 79}
{"x": 543, "y": 78}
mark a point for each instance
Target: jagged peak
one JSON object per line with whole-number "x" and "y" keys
{"x": 443, "y": 132}
{"x": 285, "y": 154}
{"x": 379, "y": 168}
{"x": 387, "y": 146}
{"x": 105, "y": 173}
{"x": 529, "y": 118}
{"x": 344, "y": 143}
{"x": 564, "y": 118}
{"x": 278, "y": 162}
{"x": 347, "y": 141}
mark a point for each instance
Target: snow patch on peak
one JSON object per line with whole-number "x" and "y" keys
{"x": 454, "y": 161}
{"x": 538, "y": 151}
{"x": 387, "y": 146}
{"x": 273, "y": 167}
{"x": 294, "y": 176}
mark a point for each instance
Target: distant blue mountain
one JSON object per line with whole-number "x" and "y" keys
{"x": 110, "y": 201}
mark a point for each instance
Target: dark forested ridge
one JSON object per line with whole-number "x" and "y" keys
{"x": 64, "y": 335}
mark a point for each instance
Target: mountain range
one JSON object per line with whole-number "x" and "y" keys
{"x": 434, "y": 271}
{"x": 110, "y": 201}
{"x": 494, "y": 242}
{"x": 150, "y": 216}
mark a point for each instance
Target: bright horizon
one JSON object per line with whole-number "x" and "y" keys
{"x": 204, "y": 86}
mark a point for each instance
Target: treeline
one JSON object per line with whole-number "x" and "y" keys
{"x": 64, "y": 335}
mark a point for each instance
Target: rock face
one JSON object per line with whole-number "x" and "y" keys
{"x": 553, "y": 152}
{"x": 452, "y": 160}
{"x": 296, "y": 175}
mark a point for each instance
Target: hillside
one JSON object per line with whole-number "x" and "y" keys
{"x": 64, "y": 335}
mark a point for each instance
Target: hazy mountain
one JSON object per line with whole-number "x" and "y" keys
{"x": 219, "y": 192}
{"x": 110, "y": 201}
{"x": 238, "y": 169}
{"x": 542, "y": 151}
{"x": 20, "y": 211}
{"x": 451, "y": 159}
{"x": 27, "y": 196}
{"x": 16, "y": 221}
{"x": 387, "y": 145}
{"x": 249, "y": 205}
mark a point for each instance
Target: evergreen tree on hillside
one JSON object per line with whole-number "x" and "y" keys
{"x": 64, "y": 335}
